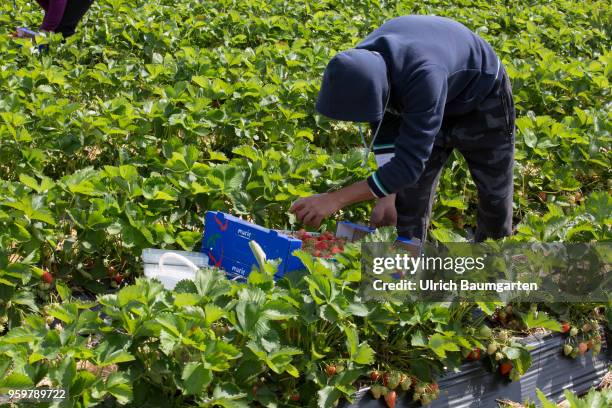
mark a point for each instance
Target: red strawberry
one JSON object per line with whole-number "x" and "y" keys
{"x": 390, "y": 399}
{"x": 582, "y": 348}
{"x": 474, "y": 355}
{"x": 330, "y": 370}
{"x": 321, "y": 245}
{"x": 316, "y": 253}
{"x": 565, "y": 327}
{"x": 47, "y": 277}
{"x": 336, "y": 250}
{"x": 505, "y": 368}
{"x": 118, "y": 279}
{"x": 385, "y": 378}
{"x": 375, "y": 375}
{"x": 295, "y": 397}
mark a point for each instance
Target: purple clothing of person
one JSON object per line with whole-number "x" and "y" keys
{"x": 54, "y": 12}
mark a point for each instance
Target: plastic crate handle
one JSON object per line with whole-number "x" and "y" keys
{"x": 184, "y": 260}
{"x": 177, "y": 257}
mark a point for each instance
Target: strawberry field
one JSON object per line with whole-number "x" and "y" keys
{"x": 120, "y": 138}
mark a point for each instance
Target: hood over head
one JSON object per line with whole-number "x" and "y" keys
{"x": 355, "y": 87}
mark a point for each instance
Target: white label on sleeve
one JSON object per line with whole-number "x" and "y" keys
{"x": 382, "y": 159}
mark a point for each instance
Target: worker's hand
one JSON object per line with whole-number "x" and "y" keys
{"x": 384, "y": 213}
{"x": 312, "y": 210}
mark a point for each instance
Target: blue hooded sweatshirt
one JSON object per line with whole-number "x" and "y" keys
{"x": 428, "y": 67}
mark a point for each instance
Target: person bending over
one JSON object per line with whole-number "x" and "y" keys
{"x": 426, "y": 85}
{"x": 63, "y": 16}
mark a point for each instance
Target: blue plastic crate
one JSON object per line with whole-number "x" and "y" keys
{"x": 226, "y": 242}
{"x": 351, "y": 231}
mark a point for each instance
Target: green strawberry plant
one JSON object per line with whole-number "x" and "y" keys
{"x": 121, "y": 137}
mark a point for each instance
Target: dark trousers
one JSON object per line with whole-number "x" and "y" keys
{"x": 485, "y": 138}
{"x": 75, "y": 10}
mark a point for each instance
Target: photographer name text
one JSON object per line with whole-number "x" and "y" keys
{"x": 405, "y": 285}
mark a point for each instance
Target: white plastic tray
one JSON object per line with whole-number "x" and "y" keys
{"x": 170, "y": 267}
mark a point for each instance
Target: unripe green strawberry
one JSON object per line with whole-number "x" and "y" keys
{"x": 485, "y": 331}
{"x": 394, "y": 380}
{"x": 586, "y": 328}
{"x": 406, "y": 383}
{"x": 377, "y": 391}
{"x": 567, "y": 349}
{"x": 492, "y": 348}
{"x": 573, "y": 332}
{"x": 426, "y": 400}
{"x": 597, "y": 348}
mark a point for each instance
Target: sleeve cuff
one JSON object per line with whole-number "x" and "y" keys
{"x": 377, "y": 187}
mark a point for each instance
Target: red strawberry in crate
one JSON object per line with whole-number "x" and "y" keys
{"x": 322, "y": 246}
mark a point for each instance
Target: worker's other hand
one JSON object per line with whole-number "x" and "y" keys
{"x": 312, "y": 210}
{"x": 384, "y": 213}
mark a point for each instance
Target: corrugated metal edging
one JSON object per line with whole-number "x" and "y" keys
{"x": 475, "y": 387}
